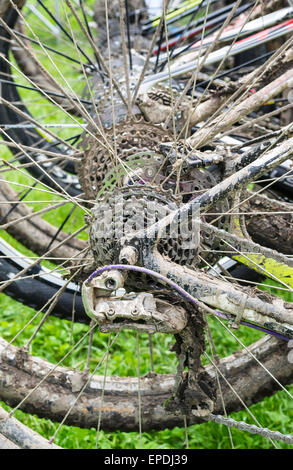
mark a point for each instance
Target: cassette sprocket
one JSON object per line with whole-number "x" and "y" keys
{"x": 102, "y": 154}
{"x": 134, "y": 208}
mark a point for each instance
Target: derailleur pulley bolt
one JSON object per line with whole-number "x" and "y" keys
{"x": 110, "y": 312}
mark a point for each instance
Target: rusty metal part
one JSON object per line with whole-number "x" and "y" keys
{"x": 131, "y": 136}
{"x": 133, "y": 208}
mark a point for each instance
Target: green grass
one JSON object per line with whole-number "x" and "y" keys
{"x": 53, "y": 341}
{"x": 56, "y": 336}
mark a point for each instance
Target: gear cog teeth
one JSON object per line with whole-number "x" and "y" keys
{"x": 138, "y": 207}
{"x": 136, "y": 141}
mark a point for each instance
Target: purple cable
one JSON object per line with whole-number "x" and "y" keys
{"x": 179, "y": 289}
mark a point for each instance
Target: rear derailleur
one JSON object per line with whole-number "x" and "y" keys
{"x": 106, "y": 302}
